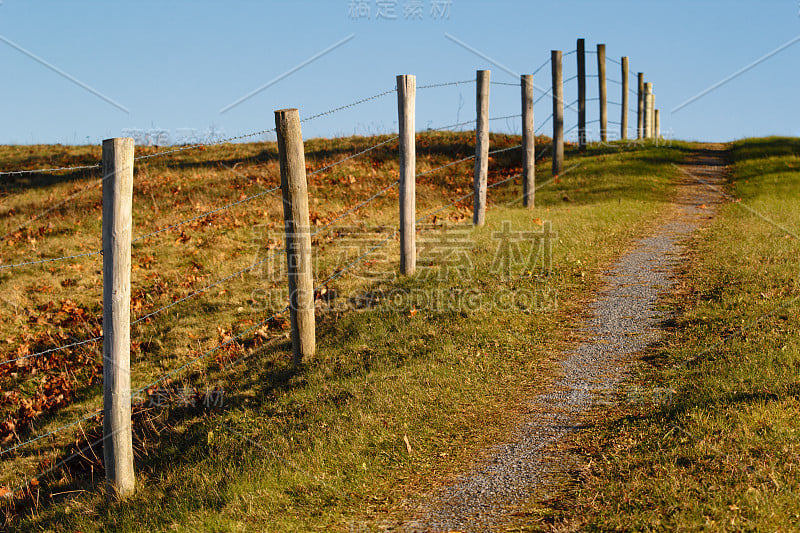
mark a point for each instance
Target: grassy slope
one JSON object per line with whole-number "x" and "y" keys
{"x": 325, "y": 447}
{"x": 724, "y": 453}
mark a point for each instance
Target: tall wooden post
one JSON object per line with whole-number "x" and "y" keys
{"x": 652, "y": 108}
{"x": 581, "y": 94}
{"x": 648, "y": 125}
{"x": 298, "y": 233}
{"x": 528, "y": 143}
{"x": 601, "y": 80}
{"x": 657, "y": 127}
{"x": 624, "y": 118}
{"x": 558, "y": 111}
{"x": 640, "y": 108}
{"x": 481, "y": 149}
{"x": 406, "y": 98}
{"x": 117, "y": 226}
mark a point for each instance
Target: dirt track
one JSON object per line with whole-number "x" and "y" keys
{"x": 624, "y": 321}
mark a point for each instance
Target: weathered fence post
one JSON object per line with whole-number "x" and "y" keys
{"x": 657, "y": 127}
{"x": 117, "y": 227}
{"x": 298, "y": 233}
{"x": 406, "y": 98}
{"x": 624, "y": 119}
{"x": 648, "y": 125}
{"x": 640, "y": 108}
{"x": 581, "y": 94}
{"x": 481, "y": 148}
{"x": 652, "y": 107}
{"x": 601, "y": 80}
{"x": 558, "y": 111}
{"x": 528, "y": 143}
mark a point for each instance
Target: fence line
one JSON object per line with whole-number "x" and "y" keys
{"x": 328, "y": 225}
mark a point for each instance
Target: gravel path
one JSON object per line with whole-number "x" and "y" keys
{"x": 624, "y": 322}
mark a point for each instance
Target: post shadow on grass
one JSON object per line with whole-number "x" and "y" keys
{"x": 158, "y": 444}
{"x": 42, "y": 180}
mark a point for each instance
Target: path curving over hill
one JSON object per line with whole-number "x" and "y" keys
{"x": 624, "y": 321}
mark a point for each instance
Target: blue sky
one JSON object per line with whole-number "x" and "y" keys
{"x": 173, "y": 66}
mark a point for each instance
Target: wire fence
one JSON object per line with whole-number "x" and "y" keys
{"x": 373, "y": 197}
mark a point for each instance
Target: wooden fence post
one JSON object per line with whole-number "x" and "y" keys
{"x": 298, "y": 233}
{"x": 481, "y": 148}
{"x": 657, "y": 126}
{"x": 581, "y": 94}
{"x": 651, "y": 107}
{"x": 406, "y": 98}
{"x": 648, "y": 116}
{"x": 601, "y": 80}
{"x": 117, "y": 227}
{"x": 558, "y": 111}
{"x": 624, "y": 119}
{"x": 640, "y": 108}
{"x": 528, "y": 143}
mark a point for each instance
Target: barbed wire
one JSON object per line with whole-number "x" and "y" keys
{"x": 543, "y": 123}
{"x": 357, "y": 207}
{"x": 464, "y": 197}
{"x": 541, "y": 67}
{"x": 264, "y": 132}
{"x": 53, "y": 208}
{"x": 442, "y": 128}
{"x": 515, "y": 176}
{"x": 50, "y": 260}
{"x": 354, "y": 104}
{"x": 505, "y": 83}
{"x": 545, "y": 94}
{"x": 51, "y": 350}
{"x": 358, "y": 259}
{"x": 209, "y": 213}
{"x": 570, "y": 78}
{"x": 49, "y": 433}
{"x": 452, "y": 163}
{"x": 206, "y": 288}
{"x": 501, "y": 150}
{"x": 48, "y": 170}
{"x": 200, "y": 145}
{"x": 518, "y": 115}
{"x": 446, "y": 84}
{"x": 614, "y": 60}
{"x": 208, "y": 352}
{"x": 466, "y": 123}
{"x": 362, "y": 152}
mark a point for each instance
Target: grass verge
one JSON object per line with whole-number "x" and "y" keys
{"x": 721, "y": 451}
{"x": 413, "y": 377}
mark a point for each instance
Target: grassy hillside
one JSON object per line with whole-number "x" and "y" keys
{"x": 413, "y": 376}
{"x": 722, "y": 452}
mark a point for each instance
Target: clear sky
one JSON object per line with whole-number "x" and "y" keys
{"x": 174, "y": 66}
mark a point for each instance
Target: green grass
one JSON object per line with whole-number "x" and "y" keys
{"x": 724, "y": 453}
{"x": 322, "y": 448}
